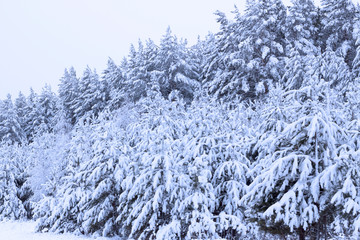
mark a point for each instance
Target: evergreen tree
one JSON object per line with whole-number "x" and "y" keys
{"x": 338, "y": 22}
{"x": 47, "y": 108}
{"x": 22, "y": 176}
{"x": 293, "y": 189}
{"x": 141, "y": 74}
{"x": 251, "y": 51}
{"x": 11, "y": 206}
{"x": 230, "y": 176}
{"x": 69, "y": 92}
{"x": 347, "y": 198}
{"x": 195, "y": 206}
{"x": 59, "y": 211}
{"x": 151, "y": 196}
{"x": 176, "y": 70}
{"x": 114, "y": 79}
{"x": 301, "y": 44}
{"x": 20, "y": 108}
{"x": 92, "y": 98}
{"x": 10, "y": 128}
{"x": 101, "y": 177}
{"x": 32, "y": 120}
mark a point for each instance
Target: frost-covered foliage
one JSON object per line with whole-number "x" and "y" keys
{"x": 157, "y": 176}
{"x": 249, "y": 54}
{"x": 252, "y": 133}
{"x": 296, "y": 172}
{"x": 14, "y": 191}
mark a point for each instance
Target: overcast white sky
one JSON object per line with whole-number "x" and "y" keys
{"x": 40, "y": 38}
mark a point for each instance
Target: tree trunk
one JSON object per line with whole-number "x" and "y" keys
{"x": 301, "y": 233}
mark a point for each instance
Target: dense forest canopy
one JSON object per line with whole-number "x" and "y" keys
{"x": 251, "y": 133}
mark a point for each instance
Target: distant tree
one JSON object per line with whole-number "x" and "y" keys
{"x": 141, "y": 65}
{"x": 115, "y": 81}
{"x": 338, "y": 24}
{"x": 92, "y": 97}
{"x": 32, "y": 116}
{"x": 20, "y": 108}
{"x": 69, "y": 92}
{"x": 47, "y": 108}
{"x": 10, "y": 128}
{"x": 301, "y": 44}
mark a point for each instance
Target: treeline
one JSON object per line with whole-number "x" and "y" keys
{"x": 252, "y": 132}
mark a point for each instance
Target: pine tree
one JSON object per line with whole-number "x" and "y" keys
{"x": 194, "y": 208}
{"x": 92, "y": 98}
{"x": 11, "y": 207}
{"x": 59, "y": 211}
{"x": 230, "y": 176}
{"x": 32, "y": 120}
{"x": 338, "y": 22}
{"x": 250, "y": 51}
{"x": 114, "y": 79}
{"x": 103, "y": 175}
{"x": 47, "y": 108}
{"x": 177, "y": 71}
{"x": 20, "y": 108}
{"x": 141, "y": 74}
{"x": 22, "y": 176}
{"x": 69, "y": 92}
{"x": 301, "y": 44}
{"x": 10, "y": 128}
{"x": 346, "y": 198}
{"x": 147, "y": 200}
{"x": 293, "y": 187}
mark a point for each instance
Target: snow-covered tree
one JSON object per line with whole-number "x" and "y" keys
{"x": 347, "y": 196}
{"x": 293, "y": 189}
{"x": 32, "y": 117}
{"x": 114, "y": 79}
{"x": 47, "y": 109}
{"x": 11, "y": 206}
{"x": 176, "y": 70}
{"x": 149, "y": 200}
{"x": 338, "y": 24}
{"x": 22, "y": 174}
{"x": 69, "y": 92}
{"x": 301, "y": 44}
{"x": 10, "y": 129}
{"x": 194, "y": 209}
{"x": 252, "y": 49}
{"x": 230, "y": 176}
{"x": 20, "y": 108}
{"x": 59, "y": 210}
{"x": 92, "y": 98}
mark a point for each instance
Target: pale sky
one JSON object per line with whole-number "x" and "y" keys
{"x": 40, "y": 38}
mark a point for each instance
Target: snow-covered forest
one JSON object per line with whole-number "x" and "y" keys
{"x": 252, "y": 133}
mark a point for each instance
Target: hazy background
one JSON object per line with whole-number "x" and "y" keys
{"x": 40, "y": 38}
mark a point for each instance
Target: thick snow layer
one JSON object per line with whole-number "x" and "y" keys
{"x": 25, "y": 231}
